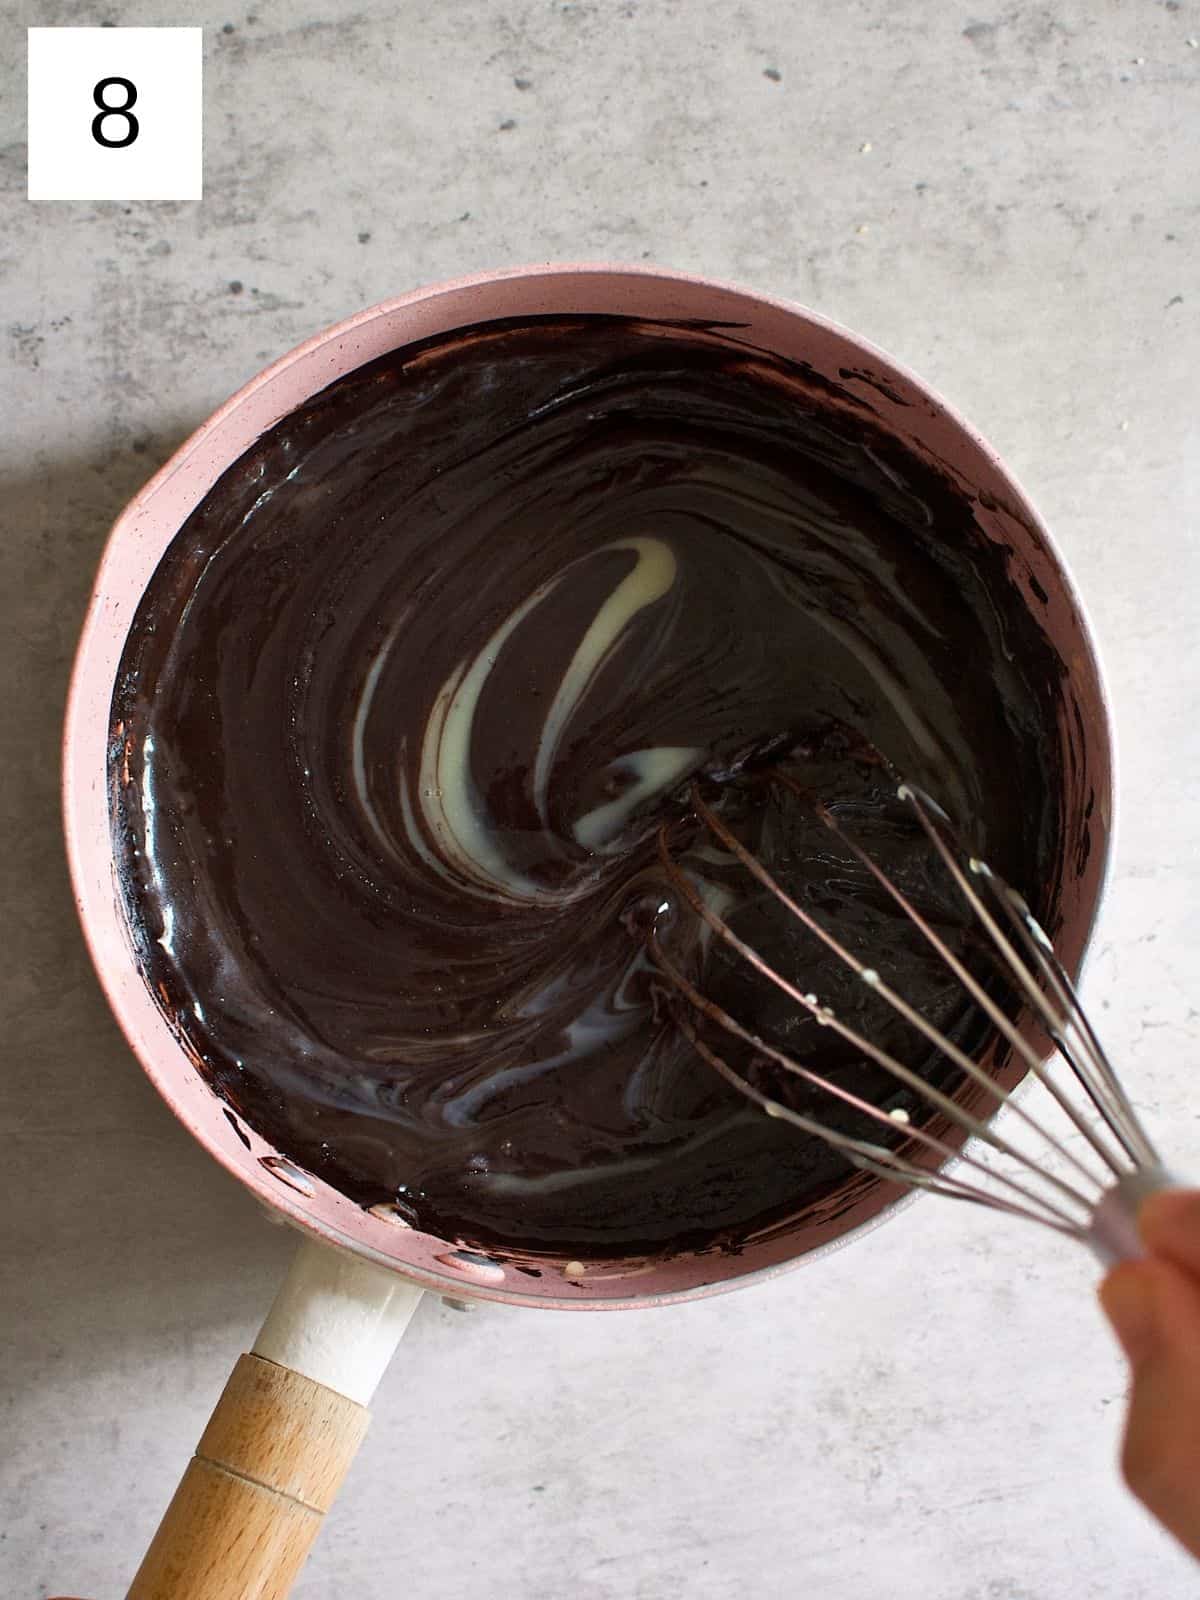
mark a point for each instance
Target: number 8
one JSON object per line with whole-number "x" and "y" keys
{"x": 114, "y": 111}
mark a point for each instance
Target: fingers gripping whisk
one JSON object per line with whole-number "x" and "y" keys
{"x": 1078, "y": 1162}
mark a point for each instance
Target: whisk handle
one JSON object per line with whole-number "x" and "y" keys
{"x": 1113, "y": 1235}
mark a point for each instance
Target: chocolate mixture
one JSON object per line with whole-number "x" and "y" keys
{"x": 411, "y": 691}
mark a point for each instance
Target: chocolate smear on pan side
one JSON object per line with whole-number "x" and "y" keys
{"x": 410, "y": 694}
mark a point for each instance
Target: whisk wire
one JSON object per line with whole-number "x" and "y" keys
{"x": 874, "y": 1157}
{"x": 1105, "y": 1217}
{"x": 1090, "y": 1064}
{"x": 1055, "y": 1023}
{"x": 973, "y": 1126}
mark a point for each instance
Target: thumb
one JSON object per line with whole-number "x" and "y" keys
{"x": 1169, "y": 1223}
{"x": 1154, "y": 1309}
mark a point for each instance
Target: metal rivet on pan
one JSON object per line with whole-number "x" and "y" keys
{"x": 482, "y": 1268}
{"x": 288, "y": 1174}
{"x": 387, "y": 1212}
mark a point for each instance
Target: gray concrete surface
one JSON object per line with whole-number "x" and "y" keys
{"x": 1005, "y": 196}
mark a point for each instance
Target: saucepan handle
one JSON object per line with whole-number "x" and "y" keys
{"x": 282, "y": 1436}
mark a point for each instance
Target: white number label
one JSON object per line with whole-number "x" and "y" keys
{"x": 115, "y": 113}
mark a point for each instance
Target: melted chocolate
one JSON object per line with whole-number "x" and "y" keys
{"x": 413, "y": 687}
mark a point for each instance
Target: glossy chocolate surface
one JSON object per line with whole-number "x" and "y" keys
{"x": 412, "y": 690}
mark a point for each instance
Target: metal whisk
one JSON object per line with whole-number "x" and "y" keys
{"x": 1092, "y": 1185}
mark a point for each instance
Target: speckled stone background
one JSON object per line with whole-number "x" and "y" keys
{"x": 1006, "y": 198}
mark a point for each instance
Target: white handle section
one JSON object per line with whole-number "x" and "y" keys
{"x": 337, "y": 1319}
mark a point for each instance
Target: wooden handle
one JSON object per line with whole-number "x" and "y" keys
{"x": 253, "y": 1497}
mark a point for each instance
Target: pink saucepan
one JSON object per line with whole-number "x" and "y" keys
{"x": 284, "y": 1431}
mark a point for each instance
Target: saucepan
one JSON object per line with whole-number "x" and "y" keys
{"x": 252, "y": 1498}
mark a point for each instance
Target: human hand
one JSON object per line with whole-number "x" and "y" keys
{"x": 1154, "y": 1308}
